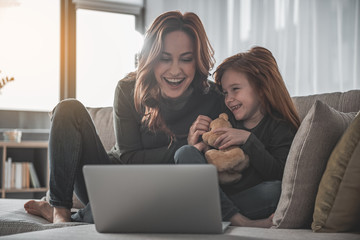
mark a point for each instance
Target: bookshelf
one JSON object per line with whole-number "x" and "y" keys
{"x": 21, "y": 179}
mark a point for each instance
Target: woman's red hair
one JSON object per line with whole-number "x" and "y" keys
{"x": 147, "y": 92}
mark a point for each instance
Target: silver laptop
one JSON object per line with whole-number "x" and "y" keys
{"x": 154, "y": 198}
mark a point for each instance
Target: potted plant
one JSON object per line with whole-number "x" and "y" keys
{"x": 5, "y": 80}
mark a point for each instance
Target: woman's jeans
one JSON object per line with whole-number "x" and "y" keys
{"x": 73, "y": 143}
{"x": 257, "y": 202}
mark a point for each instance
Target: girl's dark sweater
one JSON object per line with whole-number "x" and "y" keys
{"x": 267, "y": 147}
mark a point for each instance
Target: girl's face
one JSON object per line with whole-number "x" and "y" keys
{"x": 241, "y": 98}
{"x": 176, "y": 67}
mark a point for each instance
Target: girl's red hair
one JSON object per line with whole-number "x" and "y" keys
{"x": 263, "y": 74}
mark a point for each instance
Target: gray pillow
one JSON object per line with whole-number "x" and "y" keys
{"x": 313, "y": 143}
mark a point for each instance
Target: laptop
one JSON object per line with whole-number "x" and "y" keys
{"x": 154, "y": 198}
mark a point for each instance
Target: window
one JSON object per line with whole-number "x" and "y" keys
{"x": 30, "y": 53}
{"x": 106, "y": 45}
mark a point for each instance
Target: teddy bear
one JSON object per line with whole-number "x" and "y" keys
{"x": 229, "y": 162}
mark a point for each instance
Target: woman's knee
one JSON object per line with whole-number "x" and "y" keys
{"x": 68, "y": 108}
{"x": 188, "y": 155}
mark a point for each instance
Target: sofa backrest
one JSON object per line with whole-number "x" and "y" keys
{"x": 104, "y": 123}
{"x": 344, "y": 102}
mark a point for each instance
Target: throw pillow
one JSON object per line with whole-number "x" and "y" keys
{"x": 316, "y": 137}
{"x": 337, "y": 206}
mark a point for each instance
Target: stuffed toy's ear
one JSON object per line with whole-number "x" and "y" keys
{"x": 220, "y": 122}
{"x": 224, "y": 116}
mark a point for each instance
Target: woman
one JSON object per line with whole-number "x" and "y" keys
{"x": 264, "y": 122}
{"x": 154, "y": 108}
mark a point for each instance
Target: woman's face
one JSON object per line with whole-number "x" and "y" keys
{"x": 176, "y": 67}
{"x": 241, "y": 98}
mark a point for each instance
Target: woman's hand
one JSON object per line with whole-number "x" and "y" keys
{"x": 198, "y": 128}
{"x": 201, "y": 146}
{"x": 230, "y": 137}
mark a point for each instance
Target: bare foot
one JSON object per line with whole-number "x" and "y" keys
{"x": 61, "y": 215}
{"x": 40, "y": 208}
{"x": 44, "y": 210}
{"x": 262, "y": 223}
{"x": 240, "y": 220}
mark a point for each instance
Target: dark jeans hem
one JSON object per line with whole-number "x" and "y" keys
{"x": 230, "y": 214}
{"x": 260, "y": 214}
{"x": 60, "y": 204}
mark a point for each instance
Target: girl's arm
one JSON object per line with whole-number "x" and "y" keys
{"x": 270, "y": 160}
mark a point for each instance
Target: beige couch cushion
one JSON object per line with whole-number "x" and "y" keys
{"x": 312, "y": 145}
{"x": 342, "y": 101}
{"x": 337, "y": 206}
{"x": 103, "y": 120}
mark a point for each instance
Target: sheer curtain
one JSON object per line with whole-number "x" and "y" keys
{"x": 315, "y": 42}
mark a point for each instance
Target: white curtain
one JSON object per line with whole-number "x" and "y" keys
{"x": 315, "y": 42}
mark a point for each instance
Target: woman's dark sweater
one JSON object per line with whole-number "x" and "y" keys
{"x": 135, "y": 144}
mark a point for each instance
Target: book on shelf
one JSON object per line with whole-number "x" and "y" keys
{"x": 8, "y": 165}
{"x": 20, "y": 175}
{"x": 33, "y": 176}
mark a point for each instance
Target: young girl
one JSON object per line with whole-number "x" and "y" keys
{"x": 265, "y": 122}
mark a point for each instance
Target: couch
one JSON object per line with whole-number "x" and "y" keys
{"x": 327, "y": 121}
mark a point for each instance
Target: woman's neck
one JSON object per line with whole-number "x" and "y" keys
{"x": 179, "y": 102}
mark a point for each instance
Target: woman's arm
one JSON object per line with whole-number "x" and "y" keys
{"x": 129, "y": 141}
{"x": 197, "y": 129}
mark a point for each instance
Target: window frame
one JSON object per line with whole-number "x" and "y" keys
{"x": 68, "y": 35}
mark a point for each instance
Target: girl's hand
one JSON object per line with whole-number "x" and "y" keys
{"x": 230, "y": 137}
{"x": 198, "y": 128}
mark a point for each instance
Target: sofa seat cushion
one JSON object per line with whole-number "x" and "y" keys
{"x": 233, "y": 233}
{"x": 14, "y": 219}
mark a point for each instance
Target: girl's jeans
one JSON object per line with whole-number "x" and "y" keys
{"x": 257, "y": 202}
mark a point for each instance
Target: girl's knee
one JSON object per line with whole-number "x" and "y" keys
{"x": 272, "y": 191}
{"x": 182, "y": 153}
{"x": 188, "y": 155}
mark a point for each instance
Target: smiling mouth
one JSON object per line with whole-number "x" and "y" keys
{"x": 234, "y": 108}
{"x": 174, "y": 81}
